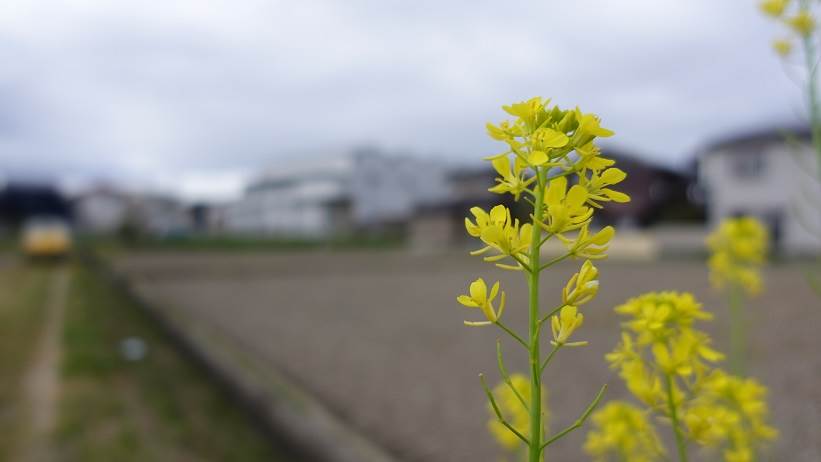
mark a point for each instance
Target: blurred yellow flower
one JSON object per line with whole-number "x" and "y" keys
{"x": 516, "y": 414}
{"x": 803, "y": 23}
{"x": 739, "y": 248}
{"x": 783, "y": 47}
{"x": 774, "y": 8}
{"x": 624, "y": 430}
{"x": 668, "y": 365}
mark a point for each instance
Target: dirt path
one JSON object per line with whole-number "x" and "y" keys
{"x": 40, "y": 385}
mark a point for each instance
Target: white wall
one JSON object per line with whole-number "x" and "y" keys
{"x": 293, "y": 200}
{"x": 101, "y": 213}
{"x": 785, "y": 187}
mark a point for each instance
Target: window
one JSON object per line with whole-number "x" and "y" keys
{"x": 748, "y": 164}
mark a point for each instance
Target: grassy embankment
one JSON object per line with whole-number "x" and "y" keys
{"x": 157, "y": 408}
{"x": 22, "y": 307}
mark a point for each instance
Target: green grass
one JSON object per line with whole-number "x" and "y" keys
{"x": 22, "y": 308}
{"x": 242, "y": 244}
{"x": 159, "y": 408}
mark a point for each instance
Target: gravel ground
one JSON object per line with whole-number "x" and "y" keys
{"x": 378, "y": 337}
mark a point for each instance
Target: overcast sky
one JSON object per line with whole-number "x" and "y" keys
{"x": 190, "y": 95}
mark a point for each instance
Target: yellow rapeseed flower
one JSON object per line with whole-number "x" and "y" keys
{"x": 803, "y": 23}
{"x": 774, "y": 8}
{"x": 512, "y": 179}
{"x": 738, "y": 250}
{"x": 587, "y": 246}
{"x": 564, "y": 324}
{"x": 623, "y": 430}
{"x": 566, "y": 210}
{"x": 668, "y": 365}
{"x": 783, "y": 47}
{"x": 479, "y": 298}
{"x": 583, "y": 286}
{"x": 499, "y": 232}
{"x": 598, "y": 187}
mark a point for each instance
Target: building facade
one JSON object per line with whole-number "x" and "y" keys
{"x": 771, "y": 175}
{"x": 317, "y": 198}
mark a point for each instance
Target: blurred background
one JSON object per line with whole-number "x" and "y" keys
{"x": 207, "y": 206}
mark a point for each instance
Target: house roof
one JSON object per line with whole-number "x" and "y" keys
{"x": 745, "y": 141}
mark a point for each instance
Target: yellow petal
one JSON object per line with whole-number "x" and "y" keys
{"x": 502, "y": 166}
{"x": 498, "y": 214}
{"x": 603, "y": 236}
{"x": 576, "y": 196}
{"x": 550, "y": 138}
{"x": 556, "y": 191}
{"x": 616, "y": 196}
{"x": 613, "y": 176}
{"x": 494, "y": 291}
{"x": 478, "y": 290}
{"x": 537, "y": 158}
{"x": 467, "y": 301}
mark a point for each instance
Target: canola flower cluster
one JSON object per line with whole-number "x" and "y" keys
{"x": 796, "y": 15}
{"x": 552, "y": 163}
{"x": 738, "y": 249}
{"x": 669, "y": 366}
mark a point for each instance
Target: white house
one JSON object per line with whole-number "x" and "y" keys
{"x": 764, "y": 175}
{"x": 329, "y": 195}
{"x": 101, "y": 210}
{"x": 105, "y": 210}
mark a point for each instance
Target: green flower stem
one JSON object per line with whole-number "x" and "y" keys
{"x": 514, "y": 335}
{"x": 550, "y": 357}
{"x": 554, "y": 261}
{"x": 506, "y": 376}
{"x": 812, "y": 91}
{"x": 738, "y": 332}
{"x": 499, "y": 413}
{"x": 535, "y": 446}
{"x": 551, "y": 313}
{"x": 681, "y": 445}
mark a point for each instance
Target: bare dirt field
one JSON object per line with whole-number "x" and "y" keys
{"x": 379, "y": 338}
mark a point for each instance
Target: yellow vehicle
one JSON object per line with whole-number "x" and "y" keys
{"x": 46, "y": 237}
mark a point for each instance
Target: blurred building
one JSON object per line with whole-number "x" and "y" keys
{"x": 442, "y": 224}
{"x": 362, "y": 191}
{"x": 659, "y": 194}
{"x": 106, "y": 210}
{"x": 101, "y": 210}
{"x": 160, "y": 215}
{"x": 770, "y": 174}
{"x": 21, "y": 201}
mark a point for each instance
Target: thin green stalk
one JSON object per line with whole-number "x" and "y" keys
{"x": 738, "y": 332}
{"x": 514, "y": 335}
{"x": 535, "y": 447}
{"x": 580, "y": 421}
{"x": 812, "y": 95}
{"x": 550, "y": 357}
{"x": 812, "y": 92}
{"x": 681, "y": 445}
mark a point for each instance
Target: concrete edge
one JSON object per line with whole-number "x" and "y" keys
{"x": 289, "y": 415}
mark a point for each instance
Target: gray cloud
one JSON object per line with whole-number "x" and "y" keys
{"x": 148, "y": 90}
